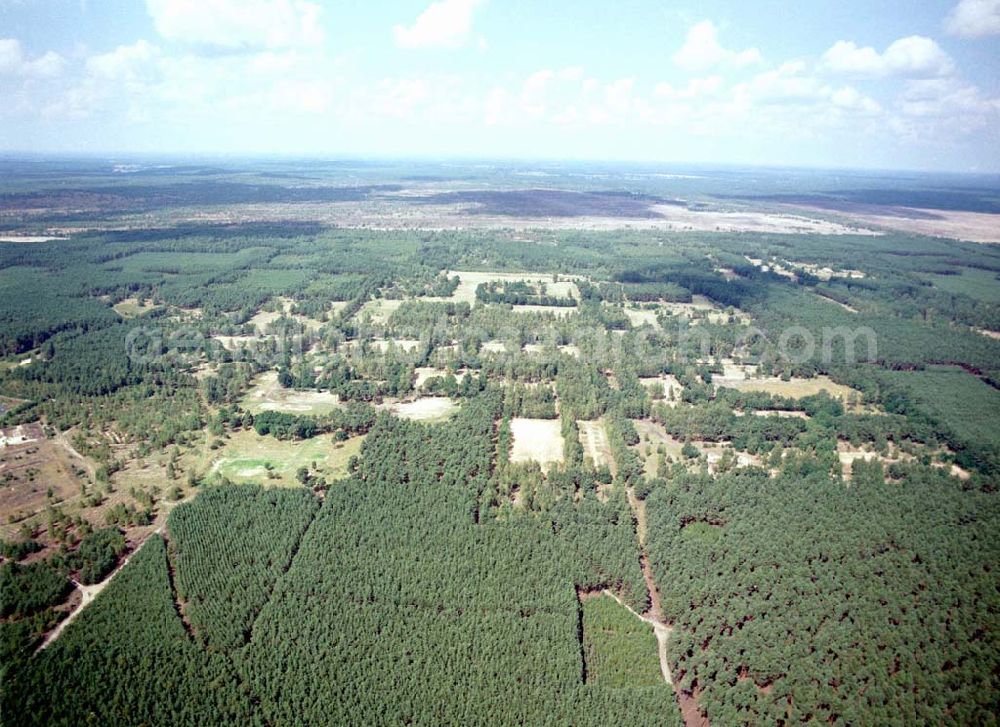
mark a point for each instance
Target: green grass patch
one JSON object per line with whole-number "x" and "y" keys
{"x": 979, "y": 284}
{"x": 249, "y": 457}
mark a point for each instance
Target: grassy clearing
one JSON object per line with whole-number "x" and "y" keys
{"x": 793, "y": 388}
{"x": 131, "y": 307}
{"x": 619, "y": 649}
{"x": 379, "y": 311}
{"x": 248, "y": 457}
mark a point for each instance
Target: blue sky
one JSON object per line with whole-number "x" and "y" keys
{"x": 871, "y": 84}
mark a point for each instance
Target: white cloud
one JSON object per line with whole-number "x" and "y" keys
{"x": 974, "y": 18}
{"x": 238, "y": 24}
{"x": 914, "y": 56}
{"x": 13, "y": 61}
{"x": 702, "y": 51}
{"x": 124, "y": 63}
{"x": 444, "y": 24}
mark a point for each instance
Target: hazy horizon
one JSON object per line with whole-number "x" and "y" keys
{"x": 847, "y": 85}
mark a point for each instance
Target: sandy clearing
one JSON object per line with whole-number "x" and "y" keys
{"x": 570, "y": 350}
{"x": 537, "y": 440}
{"x": 493, "y": 347}
{"x": 423, "y": 373}
{"x": 667, "y": 383}
{"x": 29, "y": 238}
{"x": 781, "y": 413}
{"x": 988, "y": 333}
{"x": 560, "y": 311}
{"x": 651, "y": 436}
{"x": 425, "y": 409}
{"x": 469, "y": 280}
{"x": 268, "y": 395}
{"x": 403, "y": 344}
{"x": 641, "y": 317}
{"x": 677, "y": 217}
{"x": 379, "y": 311}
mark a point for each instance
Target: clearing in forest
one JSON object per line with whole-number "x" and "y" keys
{"x": 653, "y": 437}
{"x": 268, "y": 395}
{"x": 794, "y": 388}
{"x": 537, "y": 440}
{"x": 132, "y": 307}
{"x": 424, "y": 373}
{"x": 619, "y": 649}
{"x": 470, "y": 280}
{"x": 249, "y": 457}
{"x": 425, "y": 409}
{"x": 595, "y": 443}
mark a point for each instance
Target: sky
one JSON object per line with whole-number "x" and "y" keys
{"x": 874, "y": 84}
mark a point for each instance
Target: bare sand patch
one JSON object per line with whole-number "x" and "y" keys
{"x": 131, "y": 307}
{"x": 469, "y": 280}
{"x": 425, "y": 409}
{"x": 29, "y": 238}
{"x": 537, "y": 440}
{"x": 594, "y": 439}
{"x": 570, "y": 349}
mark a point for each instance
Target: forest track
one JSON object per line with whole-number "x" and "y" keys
{"x": 690, "y": 709}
